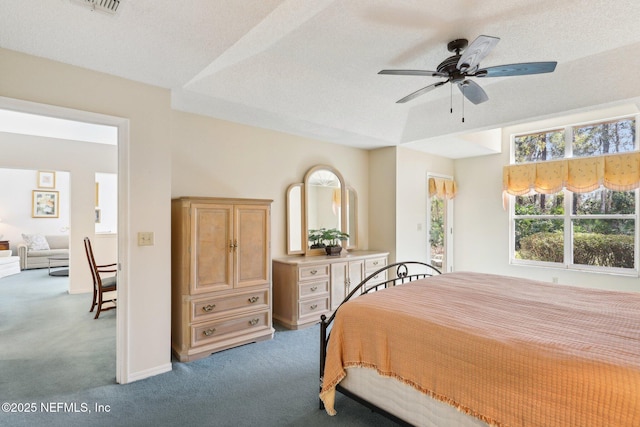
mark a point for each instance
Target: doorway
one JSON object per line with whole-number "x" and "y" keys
{"x": 122, "y": 128}
{"x": 440, "y": 227}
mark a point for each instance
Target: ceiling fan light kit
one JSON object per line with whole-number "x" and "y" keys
{"x": 459, "y": 67}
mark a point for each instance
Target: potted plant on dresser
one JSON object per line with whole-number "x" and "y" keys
{"x": 332, "y": 238}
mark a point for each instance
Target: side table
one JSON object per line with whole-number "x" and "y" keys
{"x": 62, "y": 271}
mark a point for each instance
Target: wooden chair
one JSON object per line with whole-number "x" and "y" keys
{"x": 101, "y": 285}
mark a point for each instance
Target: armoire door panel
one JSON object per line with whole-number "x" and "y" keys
{"x": 213, "y": 246}
{"x": 252, "y": 252}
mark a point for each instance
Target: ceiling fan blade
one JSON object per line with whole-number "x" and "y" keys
{"x": 420, "y": 92}
{"x": 473, "y": 92}
{"x": 414, "y": 73}
{"x": 520, "y": 69}
{"x": 475, "y": 52}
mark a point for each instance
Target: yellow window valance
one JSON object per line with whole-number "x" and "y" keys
{"x": 618, "y": 172}
{"x": 442, "y": 187}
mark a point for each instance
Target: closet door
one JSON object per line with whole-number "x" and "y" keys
{"x": 251, "y": 245}
{"x": 212, "y": 248}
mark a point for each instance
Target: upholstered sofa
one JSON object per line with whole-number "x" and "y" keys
{"x": 35, "y": 251}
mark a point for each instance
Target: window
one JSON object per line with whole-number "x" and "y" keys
{"x": 595, "y": 230}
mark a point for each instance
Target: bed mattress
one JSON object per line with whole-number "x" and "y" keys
{"x": 404, "y": 401}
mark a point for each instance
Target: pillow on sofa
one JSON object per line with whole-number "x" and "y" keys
{"x": 36, "y": 242}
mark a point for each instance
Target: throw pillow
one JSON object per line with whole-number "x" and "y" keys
{"x": 36, "y": 242}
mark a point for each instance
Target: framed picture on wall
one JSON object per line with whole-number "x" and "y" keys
{"x": 44, "y": 204}
{"x": 46, "y": 179}
{"x": 98, "y": 216}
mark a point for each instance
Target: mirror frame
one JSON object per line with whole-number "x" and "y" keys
{"x": 300, "y": 208}
{"x": 352, "y": 229}
{"x": 345, "y": 194}
{"x": 343, "y": 219}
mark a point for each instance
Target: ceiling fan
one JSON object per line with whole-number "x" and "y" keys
{"x": 459, "y": 67}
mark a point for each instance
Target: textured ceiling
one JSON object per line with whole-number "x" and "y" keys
{"x": 309, "y": 67}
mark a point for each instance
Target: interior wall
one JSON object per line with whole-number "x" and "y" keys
{"x": 16, "y": 205}
{"x": 412, "y": 201}
{"x": 382, "y": 202}
{"x": 481, "y": 238}
{"x": 215, "y": 158}
{"x": 77, "y": 193}
{"x": 148, "y": 171}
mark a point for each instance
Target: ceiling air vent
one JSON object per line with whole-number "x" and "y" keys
{"x": 107, "y": 6}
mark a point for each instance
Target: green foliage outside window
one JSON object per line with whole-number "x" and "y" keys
{"x": 540, "y": 218}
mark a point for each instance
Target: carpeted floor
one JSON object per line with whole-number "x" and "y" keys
{"x": 57, "y": 368}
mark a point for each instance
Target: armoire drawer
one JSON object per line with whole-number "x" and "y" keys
{"x": 205, "y": 333}
{"x": 313, "y": 271}
{"x": 309, "y": 289}
{"x": 205, "y": 308}
{"x": 313, "y": 307}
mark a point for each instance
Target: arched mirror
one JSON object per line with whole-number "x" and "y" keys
{"x": 322, "y": 201}
{"x": 324, "y": 208}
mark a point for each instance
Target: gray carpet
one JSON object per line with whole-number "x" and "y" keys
{"x": 54, "y": 355}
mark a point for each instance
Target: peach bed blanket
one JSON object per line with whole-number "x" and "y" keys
{"x": 512, "y": 352}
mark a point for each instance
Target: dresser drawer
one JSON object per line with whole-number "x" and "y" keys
{"x": 310, "y": 289}
{"x": 380, "y": 277}
{"x": 314, "y": 307}
{"x": 206, "y": 308}
{"x": 313, "y": 271}
{"x": 371, "y": 265}
{"x": 226, "y": 328}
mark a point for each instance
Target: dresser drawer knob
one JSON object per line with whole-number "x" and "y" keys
{"x": 253, "y": 299}
{"x": 313, "y": 306}
{"x": 314, "y": 288}
{"x": 375, "y": 262}
{"x": 254, "y": 322}
{"x": 209, "y": 307}
{"x": 209, "y": 332}
{"x": 313, "y": 271}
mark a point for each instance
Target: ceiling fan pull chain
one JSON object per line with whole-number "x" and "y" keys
{"x": 462, "y": 87}
{"x": 451, "y": 98}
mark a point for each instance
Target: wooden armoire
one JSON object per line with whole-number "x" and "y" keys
{"x": 220, "y": 274}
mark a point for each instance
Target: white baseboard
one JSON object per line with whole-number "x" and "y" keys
{"x": 136, "y": 376}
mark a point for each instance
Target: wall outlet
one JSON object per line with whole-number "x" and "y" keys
{"x": 145, "y": 238}
{"x": 554, "y": 279}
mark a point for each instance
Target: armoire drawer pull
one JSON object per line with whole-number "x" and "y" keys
{"x": 313, "y": 288}
{"x": 207, "y": 308}
{"x": 209, "y": 332}
{"x": 313, "y": 306}
{"x": 254, "y": 322}
{"x": 313, "y": 271}
{"x": 253, "y": 299}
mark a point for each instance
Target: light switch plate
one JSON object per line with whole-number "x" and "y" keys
{"x": 145, "y": 238}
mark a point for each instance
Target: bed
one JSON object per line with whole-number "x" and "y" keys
{"x": 473, "y": 349}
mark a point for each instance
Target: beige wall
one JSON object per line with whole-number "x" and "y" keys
{"x": 398, "y": 200}
{"x": 215, "y": 158}
{"x": 411, "y": 201}
{"x": 481, "y": 224}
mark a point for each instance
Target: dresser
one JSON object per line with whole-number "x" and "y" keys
{"x": 306, "y": 287}
{"x": 220, "y": 274}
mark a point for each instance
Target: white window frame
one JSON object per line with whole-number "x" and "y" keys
{"x": 568, "y": 217}
{"x": 448, "y": 238}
